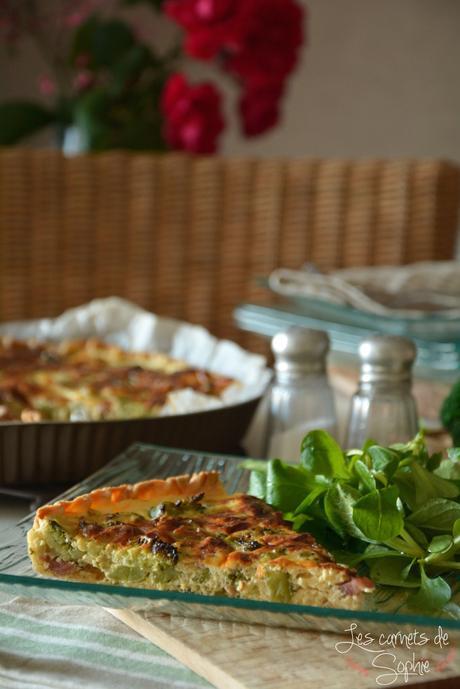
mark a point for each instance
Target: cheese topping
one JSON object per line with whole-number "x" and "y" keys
{"x": 91, "y": 380}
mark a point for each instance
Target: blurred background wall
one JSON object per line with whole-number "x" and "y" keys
{"x": 379, "y": 77}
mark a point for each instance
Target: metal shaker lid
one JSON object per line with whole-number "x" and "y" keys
{"x": 386, "y": 358}
{"x": 300, "y": 350}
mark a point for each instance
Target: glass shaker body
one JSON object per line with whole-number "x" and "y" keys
{"x": 300, "y": 398}
{"x": 386, "y": 414}
{"x": 383, "y": 408}
{"x": 297, "y": 407}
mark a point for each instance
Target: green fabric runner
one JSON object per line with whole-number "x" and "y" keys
{"x": 68, "y": 647}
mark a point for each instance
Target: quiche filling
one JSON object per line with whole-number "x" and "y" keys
{"x": 209, "y": 544}
{"x": 79, "y": 380}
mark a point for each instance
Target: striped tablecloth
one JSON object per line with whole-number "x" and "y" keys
{"x": 68, "y": 647}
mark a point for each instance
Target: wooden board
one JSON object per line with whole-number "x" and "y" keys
{"x": 233, "y": 655}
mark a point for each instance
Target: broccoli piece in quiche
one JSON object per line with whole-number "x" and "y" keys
{"x": 450, "y": 413}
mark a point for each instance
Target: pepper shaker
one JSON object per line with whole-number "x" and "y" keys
{"x": 383, "y": 407}
{"x": 301, "y": 398}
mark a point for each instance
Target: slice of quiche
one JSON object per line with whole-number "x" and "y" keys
{"x": 187, "y": 534}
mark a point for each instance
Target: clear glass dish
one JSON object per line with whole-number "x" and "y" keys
{"x": 437, "y": 339}
{"x": 141, "y": 462}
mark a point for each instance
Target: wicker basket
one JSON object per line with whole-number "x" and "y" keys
{"x": 186, "y": 237}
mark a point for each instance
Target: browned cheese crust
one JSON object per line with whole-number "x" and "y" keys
{"x": 90, "y": 380}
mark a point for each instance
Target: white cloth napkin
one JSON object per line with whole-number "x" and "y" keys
{"x": 411, "y": 291}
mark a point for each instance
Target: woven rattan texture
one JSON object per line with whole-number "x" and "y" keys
{"x": 187, "y": 237}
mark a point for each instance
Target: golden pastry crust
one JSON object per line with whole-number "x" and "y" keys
{"x": 126, "y": 497}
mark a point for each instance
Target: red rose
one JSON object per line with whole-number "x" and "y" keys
{"x": 193, "y": 14}
{"x": 259, "y": 106}
{"x": 211, "y": 25}
{"x": 253, "y": 36}
{"x": 193, "y": 119}
{"x": 271, "y": 40}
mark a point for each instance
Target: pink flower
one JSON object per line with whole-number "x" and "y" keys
{"x": 46, "y": 85}
{"x": 83, "y": 80}
{"x": 193, "y": 118}
{"x": 80, "y": 12}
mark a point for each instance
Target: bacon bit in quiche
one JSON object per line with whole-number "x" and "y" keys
{"x": 64, "y": 568}
{"x": 89, "y": 530}
{"x": 357, "y": 585}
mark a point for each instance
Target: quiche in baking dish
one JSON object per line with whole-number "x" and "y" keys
{"x": 80, "y": 380}
{"x": 187, "y": 534}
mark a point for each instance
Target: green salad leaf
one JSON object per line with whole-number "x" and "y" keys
{"x": 379, "y": 514}
{"x": 286, "y": 485}
{"x": 433, "y": 594}
{"x": 321, "y": 455}
{"x": 393, "y": 512}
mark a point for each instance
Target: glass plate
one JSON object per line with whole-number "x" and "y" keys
{"x": 141, "y": 462}
{"x": 438, "y": 346}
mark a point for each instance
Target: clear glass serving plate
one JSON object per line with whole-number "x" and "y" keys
{"x": 141, "y": 462}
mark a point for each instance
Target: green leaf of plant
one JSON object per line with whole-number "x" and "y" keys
{"x": 378, "y": 514}
{"x": 384, "y": 459}
{"x": 254, "y": 465}
{"x": 310, "y": 499}
{"x": 374, "y": 551}
{"x": 392, "y": 571}
{"x": 417, "y": 534}
{"x": 450, "y": 467}
{"x": 414, "y": 448}
{"x": 450, "y": 409}
{"x": 367, "y": 444}
{"x": 407, "y": 569}
{"x": 440, "y": 544}
{"x": 298, "y": 520}
{"x": 286, "y": 485}
{"x": 428, "y": 485}
{"x": 338, "y": 507}
{"x": 453, "y": 453}
{"x": 434, "y": 461}
{"x": 19, "y": 119}
{"x": 321, "y": 454}
{"x": 403, "y": 479}
{"x": 438, "y": 514}
{"x": 131, "y": 66}
{"x": 364, "y": 475}
{"x": 433, "y": 594}
{"x": 257, "y": 484}
{"x": 105, "y": 41}
{"x": 456, "y": 529}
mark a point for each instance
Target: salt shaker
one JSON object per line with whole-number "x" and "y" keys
{"x": 383, "y": 408}
{"x": 301, "y": 398}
